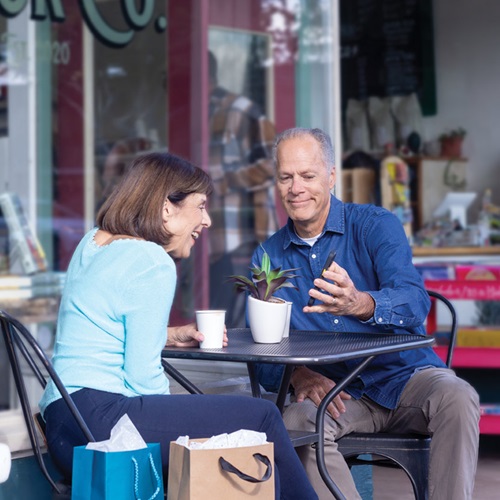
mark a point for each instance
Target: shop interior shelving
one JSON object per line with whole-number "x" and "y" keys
{"x": 470, "y": 357}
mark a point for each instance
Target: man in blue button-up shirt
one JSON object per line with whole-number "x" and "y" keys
{"x": 372, "y": 286}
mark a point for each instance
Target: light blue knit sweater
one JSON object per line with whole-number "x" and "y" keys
{"x": 113, "y": 319}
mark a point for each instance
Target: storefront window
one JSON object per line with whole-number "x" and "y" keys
{"x": 130, "y": 109}
{"x": 96, "y": 83}
{"x": 274, "y": 67}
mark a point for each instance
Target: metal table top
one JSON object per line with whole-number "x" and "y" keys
{"x": 303, "y": 347}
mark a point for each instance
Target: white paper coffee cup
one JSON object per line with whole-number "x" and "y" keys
{"x": 211, "y": 324}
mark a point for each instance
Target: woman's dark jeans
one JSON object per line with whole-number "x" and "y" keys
{"x": 162, "y": 419}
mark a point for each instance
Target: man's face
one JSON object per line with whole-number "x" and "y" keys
{"x": 304, "y": 184}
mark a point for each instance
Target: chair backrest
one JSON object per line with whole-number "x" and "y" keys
{"x": 453, "y": 327}
{"x": 20, "y": 345}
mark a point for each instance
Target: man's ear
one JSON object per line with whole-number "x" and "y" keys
{"x": 332, "y": 178}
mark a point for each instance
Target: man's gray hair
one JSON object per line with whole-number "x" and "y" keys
{"x": 319, "y": 135}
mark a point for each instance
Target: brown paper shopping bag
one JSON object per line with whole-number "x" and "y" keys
{"x": 221, "y": 474}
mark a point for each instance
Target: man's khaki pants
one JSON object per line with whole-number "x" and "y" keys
{"x": 434, "y": 401}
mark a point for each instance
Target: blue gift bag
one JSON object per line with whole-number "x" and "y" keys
{"x": 124, "y": 475}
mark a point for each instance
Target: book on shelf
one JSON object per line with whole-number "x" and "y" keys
{"x": 7, "y": 294}
{"x": 25, "y": 250}
{"x": 16, "y": 281}
{"x": 490, "y": 409}
{"x": 4, "y": 246}
{"x": 481, "y": 272}
{"x": 436, "y": 270}
{"x": 478, "y": 336}
{"x": 17, "y": 287}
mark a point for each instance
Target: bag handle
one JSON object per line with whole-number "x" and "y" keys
{"x": 136, "y": 477}
{"x": 225, "y": 465}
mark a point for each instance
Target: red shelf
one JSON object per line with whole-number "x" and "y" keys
{"x": 472, "y": 357}
{"x": 489, "y": 424}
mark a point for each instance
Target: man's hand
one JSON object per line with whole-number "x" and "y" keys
{"x": 309, "y": 384}
{"x": 188, "y": 336}
{"x": 341, "y": 297}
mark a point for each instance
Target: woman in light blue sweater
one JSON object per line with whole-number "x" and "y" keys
{"x": 113, "y": 324}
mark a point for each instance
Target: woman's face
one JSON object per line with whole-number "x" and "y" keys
{"x": 184, "y": 223}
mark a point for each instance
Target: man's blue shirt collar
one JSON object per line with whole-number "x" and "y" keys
{"x": 335, "y": 223}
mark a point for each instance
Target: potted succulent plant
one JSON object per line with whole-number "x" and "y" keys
{"x": 451, "y": 143}
{"x": 267, "y": 314}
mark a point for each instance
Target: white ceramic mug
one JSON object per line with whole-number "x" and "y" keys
{"x": 211, "y": 324}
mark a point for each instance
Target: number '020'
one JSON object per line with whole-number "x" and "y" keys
{"x": 57, "y": 52}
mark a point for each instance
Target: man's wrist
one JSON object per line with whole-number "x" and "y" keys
{"x": 367, "y": 308}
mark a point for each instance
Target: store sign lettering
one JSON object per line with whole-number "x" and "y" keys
{"x": 137, "y": 18}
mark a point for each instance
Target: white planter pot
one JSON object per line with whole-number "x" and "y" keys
{"x": 267, "y": 320}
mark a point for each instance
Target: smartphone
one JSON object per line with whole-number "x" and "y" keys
{"x": 328, "y": 263}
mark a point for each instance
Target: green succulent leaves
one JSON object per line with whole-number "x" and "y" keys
{"x": 265, "y": 281}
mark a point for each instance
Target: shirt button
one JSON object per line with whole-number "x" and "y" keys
{"x": 313, "y": 255}
{"x": 380, "y": 320}
{"x": 335, "y": 321}
{"x": 400, "y": 321}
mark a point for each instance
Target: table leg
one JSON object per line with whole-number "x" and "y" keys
{"x": 179, "y": 377}
{"x": 254, "y": 380}
{"x": 320, "y": 427}
{"x": 285, "y": 384}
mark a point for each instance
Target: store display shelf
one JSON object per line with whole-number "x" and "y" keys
{"x": 478, "y": 357}
{"x": 466, "y": 289}
{"x": 471, "y": 357}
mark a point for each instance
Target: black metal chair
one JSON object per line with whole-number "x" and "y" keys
{"x": 23, "y": 349}
{"x": 407, "y": 451}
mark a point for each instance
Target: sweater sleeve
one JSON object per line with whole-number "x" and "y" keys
{"x": 147, "y": 302}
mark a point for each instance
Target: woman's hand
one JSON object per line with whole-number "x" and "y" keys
{"x": 188, "y": 336}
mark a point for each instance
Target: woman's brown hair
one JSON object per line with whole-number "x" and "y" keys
{"x": 135, "y": 207}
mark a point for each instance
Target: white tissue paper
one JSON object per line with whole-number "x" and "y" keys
{"x": 237, "y": 439}
{"x": 124, "y": 437}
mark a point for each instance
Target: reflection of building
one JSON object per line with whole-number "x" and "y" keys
{"x": 129, "y": 77}
{"x": 242, "y": 56}
{"x": 242, "y": 205}
{"x": 113, "y": 164}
